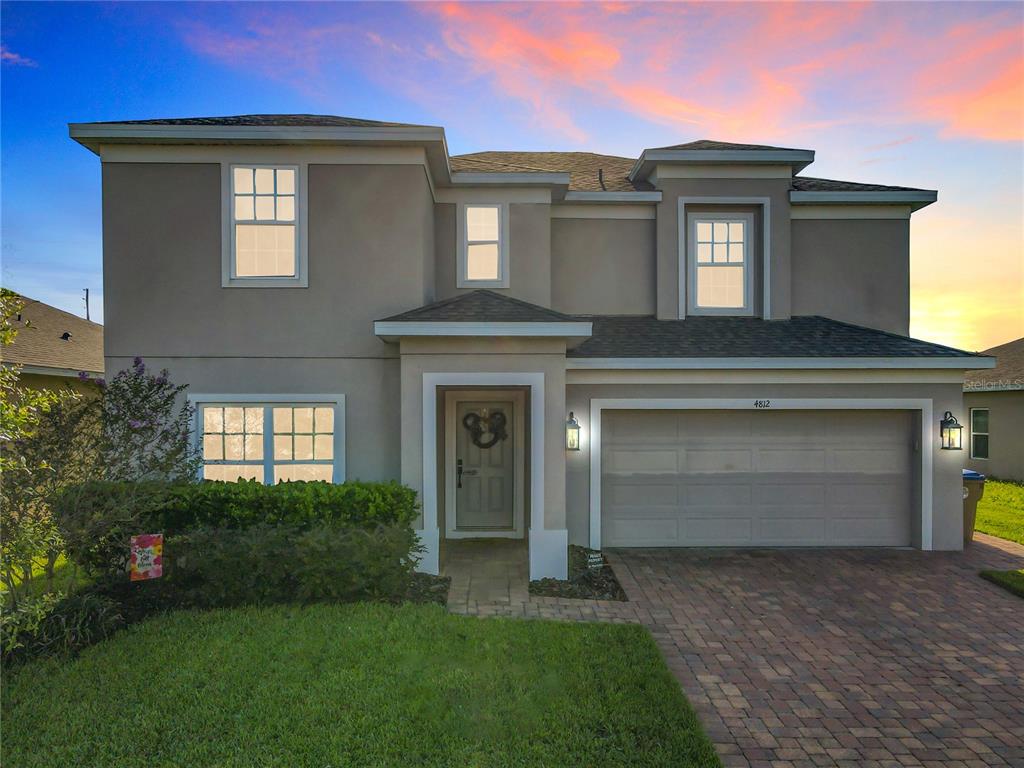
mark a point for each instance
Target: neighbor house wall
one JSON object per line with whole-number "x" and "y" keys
{"x": 1006, "y": 433}
{"x": 947, "y": 509}
{"x": 854, "y": 270}
{"x": 43, "y": 381}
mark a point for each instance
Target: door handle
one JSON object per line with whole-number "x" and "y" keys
{"x": 458, "y": 473}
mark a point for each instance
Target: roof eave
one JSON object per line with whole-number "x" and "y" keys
{"x": 778, "y": 363}
{"x": 798, "y": 159}
{"x": 393, "y": 330}
{"x": 916, "y": 199}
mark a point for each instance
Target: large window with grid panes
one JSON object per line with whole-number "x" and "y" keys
{"x": 272, "y": 442}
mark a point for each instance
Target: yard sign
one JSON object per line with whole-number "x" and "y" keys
{"x": 147, "y": 556}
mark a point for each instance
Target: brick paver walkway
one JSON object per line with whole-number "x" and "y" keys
{"x": 829, "y": 657}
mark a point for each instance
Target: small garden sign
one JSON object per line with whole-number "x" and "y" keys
{"x": 147, "y": 560}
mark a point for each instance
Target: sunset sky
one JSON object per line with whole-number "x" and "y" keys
{"x": 918, "y": 94}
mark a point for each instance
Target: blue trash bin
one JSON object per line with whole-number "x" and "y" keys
{"x": 974, "y": 489}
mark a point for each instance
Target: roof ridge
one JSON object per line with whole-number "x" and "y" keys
{"x": 30, "y": 301}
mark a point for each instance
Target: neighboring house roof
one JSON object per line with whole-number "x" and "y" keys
{"x": 332, "y": 121}
{"x": 40, "y": 345}
{"x": 481, "y": 306}
{"x": 588, "y": 172}
{"x": 1008, "y": 373}
{"x": 748, "y": 337}
{"x": 810, "y": 184}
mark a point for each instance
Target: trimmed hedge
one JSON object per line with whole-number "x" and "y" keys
{"x": 96, "y": 518}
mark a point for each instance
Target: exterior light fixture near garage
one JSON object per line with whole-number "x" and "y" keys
{"x": 950, "y": 433}
{"x": 572, "y": 433}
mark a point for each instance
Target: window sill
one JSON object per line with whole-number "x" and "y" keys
{"x": 265, "y": 282}
{"x": 482, "y": 284}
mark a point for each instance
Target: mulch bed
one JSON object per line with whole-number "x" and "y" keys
{"x": 425, "y": 588}
{"x": 584, "y": 582}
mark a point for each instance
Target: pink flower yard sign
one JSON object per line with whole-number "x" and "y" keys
{"x": 147, "y": 556}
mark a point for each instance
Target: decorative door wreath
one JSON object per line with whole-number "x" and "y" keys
{"x": 478, "y": 426}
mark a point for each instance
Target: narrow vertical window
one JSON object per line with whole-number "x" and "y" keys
{"x": 264, "y": 236}
{"x": 979, "y": 433}
{"x": 483, "y": 250}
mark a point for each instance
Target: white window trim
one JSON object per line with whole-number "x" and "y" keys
{"x": 197, "y": 401}
{"x": 461, "y": 281}
{"x": 986, "y": 434}
{"x": 766, "y": 245}
{"x": 301, "y": 277}
{"x": 748, "y": 268}
{"x": 922, "y": 406}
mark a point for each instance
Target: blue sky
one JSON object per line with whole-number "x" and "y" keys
{"x": 920, "y": 94}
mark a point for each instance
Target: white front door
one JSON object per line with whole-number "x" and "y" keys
{"x": 484, "y": 472}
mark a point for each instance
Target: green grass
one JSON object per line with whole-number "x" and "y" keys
{"x": 1001, "y": 510}
{"x": 1001, "y": 513}
{"x": 1012, "y": 581}
{"x": 354, "y": 685}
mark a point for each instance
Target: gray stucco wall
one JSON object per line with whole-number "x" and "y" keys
{"x": 777, "y": 190}
{"x": 529, "y": 252}
{"x": 855, "y": 270}
{"x": 370, "y": 242}
{"x": 603, "y": 266}
{"x": 947, "y": 506}
{"x": 1006, "y": 433}
{"x": 371, "y": 388}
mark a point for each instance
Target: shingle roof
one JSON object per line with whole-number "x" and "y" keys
{"x": 810, "y": 336}
{"x": 481, "y": 306}
{"x": 810, "y": 184}
{"x": 1008, "y": 373}
{"x": 586, "y": 169}
{"x": 40, "y": 343}
{"x": 710, "y": 144}
{"x": 328, "y": 121}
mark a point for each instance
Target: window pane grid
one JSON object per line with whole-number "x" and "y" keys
{"x": 263, "y": 220}
{"x": 720, "y": 273}
{"x": 297, "y": 443}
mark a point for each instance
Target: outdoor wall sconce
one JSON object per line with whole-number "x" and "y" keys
{"x": 950, "y": 433}
{"x": 572, "y": 433}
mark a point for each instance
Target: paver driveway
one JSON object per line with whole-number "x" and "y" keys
{"x": 842, "y": 657}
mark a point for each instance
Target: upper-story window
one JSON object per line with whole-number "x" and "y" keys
{"x": 720, "y": 272}
{"x": 483, "y": 246}
{"x": 264, "y": 226}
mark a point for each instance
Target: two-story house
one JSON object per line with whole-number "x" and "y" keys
{"x": 697, "y": 347}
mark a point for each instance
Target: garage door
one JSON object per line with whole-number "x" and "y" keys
{"x": 756, "y": 478}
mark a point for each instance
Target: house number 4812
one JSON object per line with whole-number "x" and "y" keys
{"x": 762, "y": 403}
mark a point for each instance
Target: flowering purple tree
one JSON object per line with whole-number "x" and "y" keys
{"x": 146, "y": 427}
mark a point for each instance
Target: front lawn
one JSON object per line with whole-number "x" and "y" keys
{"x": 360, "y": 685}
{"x": 1012, "y": 581}
{"x": 1001, "y": 510}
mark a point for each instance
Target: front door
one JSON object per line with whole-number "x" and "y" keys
{"x": 484, "y": 465}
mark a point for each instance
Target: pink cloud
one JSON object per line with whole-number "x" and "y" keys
{"x": 770, "y": 71}
{"x": 13, "y": 59}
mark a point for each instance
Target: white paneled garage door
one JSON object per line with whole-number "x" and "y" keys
{"x": 756, "y": 478}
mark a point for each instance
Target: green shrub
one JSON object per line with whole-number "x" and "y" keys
{"x": 263, "y": 564}
{"x": 53, "y": 625}
{"x": 97, "y": 518}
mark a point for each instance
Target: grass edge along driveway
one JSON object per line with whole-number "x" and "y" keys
{"x": 1001, "y": 513}
{"x": 362, "y": 684}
